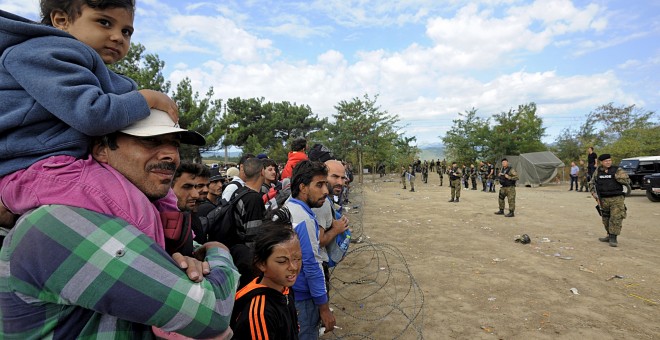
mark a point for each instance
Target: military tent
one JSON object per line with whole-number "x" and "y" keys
{"x": 535, "y": 168}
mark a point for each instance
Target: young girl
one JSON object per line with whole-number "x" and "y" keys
{"x": 56, "y": 91}
{"x": 265, "y": 308}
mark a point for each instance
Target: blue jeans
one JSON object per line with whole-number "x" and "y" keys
{"x": 308, "y": 319}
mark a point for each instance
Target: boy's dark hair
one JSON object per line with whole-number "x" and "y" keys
{"x": 195, "y": 169}
{"x": 252, "y": 168}
{"x": 299, "y": 144}
{"x": 272, "y": 232}
{"x": 271, "y": 162}
{"x": 73, "y": 8}
{"x": 304, "y": 172}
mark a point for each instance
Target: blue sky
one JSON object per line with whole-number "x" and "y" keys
{"x": 426, "y": 59}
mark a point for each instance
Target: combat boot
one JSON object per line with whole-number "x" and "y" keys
{"x": 457, "y": 200}
{"x": 451, "y": 200}
{"x": 613, "y": 242}
{"x": 510, "y": 214}
{"x": 604, "y": 239}
{"x": 500, "y": 212}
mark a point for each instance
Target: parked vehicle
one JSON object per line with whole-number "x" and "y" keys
{"x": 637, "y": 168}
{"x": 652, "y": 186}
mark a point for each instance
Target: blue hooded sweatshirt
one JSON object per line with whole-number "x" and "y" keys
{"x": 55, "y": 92}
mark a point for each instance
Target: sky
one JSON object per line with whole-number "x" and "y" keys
{"x": 426, "y": 60}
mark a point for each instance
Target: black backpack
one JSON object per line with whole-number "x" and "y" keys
{"x": 221, "y": 223}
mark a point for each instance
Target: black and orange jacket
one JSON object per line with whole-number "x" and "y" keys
{"x": 263, "y": 313}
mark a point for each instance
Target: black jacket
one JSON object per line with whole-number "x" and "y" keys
{"x": 264, "y": 310}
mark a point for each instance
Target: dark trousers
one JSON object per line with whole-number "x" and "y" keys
{"x": 574, "y": 179}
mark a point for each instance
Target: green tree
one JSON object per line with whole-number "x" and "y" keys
{"x": 145, "y": 69}
{"x": 568, "y": 146}
{"x": 198, "y": 114}
{"x": 361, "y": 128}
{"x": 466, "y": 141}
{"x": 517, "y": 131}
{"x": 613, "y": 120}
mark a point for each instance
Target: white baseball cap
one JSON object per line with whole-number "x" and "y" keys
{"x": 159, "y": 123}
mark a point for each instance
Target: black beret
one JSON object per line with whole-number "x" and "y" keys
{"x": 604, "y": 157}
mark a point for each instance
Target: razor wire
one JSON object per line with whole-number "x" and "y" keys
{"x": 372, "y": 291}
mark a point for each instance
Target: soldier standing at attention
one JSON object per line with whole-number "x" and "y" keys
{"x": 411, "y": 177}
{"x": 425, "y": 172}
{"x": 403, "y": 176}
{"x": 606, "y": 187}
{"x": 473, "y": 176}
{"x": 483, "y": 172}
{"x": 440, "y": 168}
{"x": 508, "y": 178}
{"x": 582, "y": 176}
{"x": 455, "y": 175}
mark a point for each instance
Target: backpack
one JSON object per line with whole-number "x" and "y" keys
{"x": 238, "y": 186}
{"x": 339, "y": 246}
{"x": 221, "y": 222}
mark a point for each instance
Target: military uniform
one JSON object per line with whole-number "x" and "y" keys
{"x": 507, "y": 177}
{"x": 425, "y": 172}
{"x": 411, "y": 177}
{"x": 455, "y": 175}
{"x": 473, "y": 177}
{"x": 582, "y": 177}
{"x": 483, "y": 172}
{"x": 403, "y": 176}
{"x": 607, "y": 185}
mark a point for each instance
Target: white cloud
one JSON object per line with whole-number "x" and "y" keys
{"x": 28, "y": 9}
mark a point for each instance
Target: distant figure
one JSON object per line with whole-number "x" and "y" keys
{"x": 591, "y": 162}
{"x": 455, "y": 175}
{"x": 574, "y": 176}
{"x": 508, "y": 178}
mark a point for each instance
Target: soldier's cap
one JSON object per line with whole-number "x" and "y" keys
{"x": 604, "y": 157}
{"x": 159, "y": 123}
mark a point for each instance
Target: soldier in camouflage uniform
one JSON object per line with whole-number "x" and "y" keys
{"x": 441, "y": 168}
{"x": 606, "y": 187}
{"x": 483, "y": 172}
{"x": 425, "y": 172}
{"x": 403, "y": 176}
{"x": 455, "y": 175}
{"x": 473, "y": 176}
{"x": 582, "y": 176}
{"x": 507, "y": 177}
{"x": 411, "y": 177}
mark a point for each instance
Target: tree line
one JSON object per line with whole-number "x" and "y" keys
{"x": 361, "y": 131}
{"x": 622, "y": 131}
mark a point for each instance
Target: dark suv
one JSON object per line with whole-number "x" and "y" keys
{"x": 652, "y": 186}
{"x": 638, "y": 167}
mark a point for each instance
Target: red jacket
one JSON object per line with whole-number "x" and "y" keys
{"x": 294, "y": 158}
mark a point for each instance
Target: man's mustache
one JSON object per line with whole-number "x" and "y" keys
{"x": 162, "y": 166}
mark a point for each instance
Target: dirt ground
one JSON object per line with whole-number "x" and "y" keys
{"x": 427, "y": 268}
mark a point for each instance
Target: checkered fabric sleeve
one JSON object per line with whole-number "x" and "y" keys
{"x": 69, "y": 272}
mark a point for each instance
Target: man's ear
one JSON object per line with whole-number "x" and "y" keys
{"x": 100, "y": 152}
{"x": 60, "y": 19}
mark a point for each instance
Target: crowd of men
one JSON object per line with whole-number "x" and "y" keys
{"x": 208, "y": 240}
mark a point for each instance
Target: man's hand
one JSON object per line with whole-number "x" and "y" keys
{"x": 327, "y": 318}
{"x": 339, "y": 226}
{"x": 160, "y": 101}
{"x": 192, "y": 266}
{"x": 7, "y": 219}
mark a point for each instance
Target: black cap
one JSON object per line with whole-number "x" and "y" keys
{"x": 215, "y": 174}
{"x": 604, "y": 157}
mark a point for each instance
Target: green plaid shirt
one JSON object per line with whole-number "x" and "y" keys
{"x": 72, "y": 273}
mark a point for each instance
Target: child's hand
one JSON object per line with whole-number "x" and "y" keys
{"x": 160, "y": 101}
